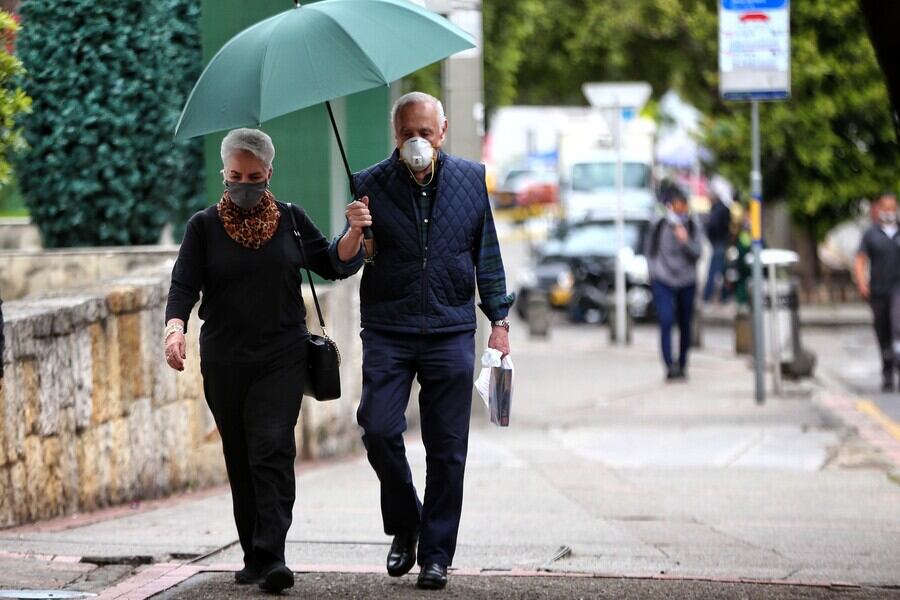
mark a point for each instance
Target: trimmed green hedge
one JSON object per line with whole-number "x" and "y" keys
{"x": 107, "y": 78}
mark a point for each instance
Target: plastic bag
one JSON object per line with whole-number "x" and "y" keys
{"x": 494, "y": 385}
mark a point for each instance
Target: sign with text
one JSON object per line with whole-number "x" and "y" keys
{"x": 754, "y": 49}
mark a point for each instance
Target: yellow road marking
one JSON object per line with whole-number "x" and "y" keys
{"x": 871, "y": 409}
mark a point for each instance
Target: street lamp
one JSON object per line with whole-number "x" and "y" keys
{"x": 616, "y": 98}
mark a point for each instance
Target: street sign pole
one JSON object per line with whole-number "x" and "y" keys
{"x": 754, "y": 65}
{"x": 619, "y": 97}
{"x": 759, "y": 352}
{"x": 621, "y": 305}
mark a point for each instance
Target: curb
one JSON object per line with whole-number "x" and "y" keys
{"x": 863, "y": 416}
{"x": 164, "y": 576}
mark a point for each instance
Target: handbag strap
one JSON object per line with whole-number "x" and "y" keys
{"x": 312, "y": 286}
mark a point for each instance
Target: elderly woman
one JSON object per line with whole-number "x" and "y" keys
{"x": 242, "y": 255}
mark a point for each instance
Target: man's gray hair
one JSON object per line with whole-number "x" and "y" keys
{"x": 254, "y": 141}
{"x": 416, "y": 98}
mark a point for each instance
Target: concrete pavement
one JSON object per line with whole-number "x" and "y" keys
{"x": 630, "y": 477}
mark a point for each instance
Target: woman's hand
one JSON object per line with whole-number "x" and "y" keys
{"x": 175, "y": 351}
{"x": 358, "y": 215}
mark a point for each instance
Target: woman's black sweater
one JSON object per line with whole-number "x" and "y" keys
{"x": 252, "y": 308}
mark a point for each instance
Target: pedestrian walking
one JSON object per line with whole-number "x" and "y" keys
{"x": 672, "y": 250}
{"x": 241, "y": 253}
{"x": 436, "y": 242}
{"x": 718, "y": 232}
{"x": 877, "y": 271}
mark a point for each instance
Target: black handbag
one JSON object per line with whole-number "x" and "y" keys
{"x": 323, "y": 359}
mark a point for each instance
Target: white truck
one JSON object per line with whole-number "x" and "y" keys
{"x": 587, "y": 171}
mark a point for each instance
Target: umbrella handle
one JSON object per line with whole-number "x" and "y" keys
{"x": 367, "y": 232}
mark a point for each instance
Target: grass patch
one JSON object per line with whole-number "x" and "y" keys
{"x": 14, "y": 212}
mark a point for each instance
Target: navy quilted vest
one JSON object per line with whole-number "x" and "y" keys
{"x": 408, "y": 288}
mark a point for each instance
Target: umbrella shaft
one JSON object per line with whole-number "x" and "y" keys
{"x": 337, "y": 135}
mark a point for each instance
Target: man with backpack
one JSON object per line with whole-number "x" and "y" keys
{"x": 673, "y": 246}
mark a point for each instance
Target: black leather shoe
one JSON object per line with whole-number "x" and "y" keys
{"x": 675, "y": 373}
{"x": 402, "y": 555}
{"x": 277, "y": 578}
{"x": 248, "y": 575}
{"x": 432, "y": 577}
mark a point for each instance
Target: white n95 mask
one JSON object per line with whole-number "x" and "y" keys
{"x": 417, "y": 153}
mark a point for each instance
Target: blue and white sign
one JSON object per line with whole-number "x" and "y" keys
{"x": 754, "y": 49}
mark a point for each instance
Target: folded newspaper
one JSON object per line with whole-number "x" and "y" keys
{"x": 494, "y": 385}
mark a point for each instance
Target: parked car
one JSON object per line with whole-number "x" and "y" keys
{"x": 576, "y": 269}
{"x": 526, "y": 188}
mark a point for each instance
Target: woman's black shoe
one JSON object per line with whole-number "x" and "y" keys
{"x": 432, "y": 577}
{"x": 277, "y": 578}
{"x": 247, "y": 576}
{"x": 402, "y": 555}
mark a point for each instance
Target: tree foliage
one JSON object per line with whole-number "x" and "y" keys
{"x": 107, "y": 84}
{"x": 830, "y": 145}
{"x": 13, "y": 101}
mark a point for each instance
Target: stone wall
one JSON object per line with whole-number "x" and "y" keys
{"x": 90, "y": 414}
{"x": 17, "y": 233}
{"x": 36, "y": 272}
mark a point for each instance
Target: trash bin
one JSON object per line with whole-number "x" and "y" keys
{"x": 782, "y": 305}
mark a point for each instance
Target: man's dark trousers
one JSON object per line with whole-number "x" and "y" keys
{"x": 885, "y": 325}
{"x": 444, "y": 365}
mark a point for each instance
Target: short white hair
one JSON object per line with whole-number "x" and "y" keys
{"x": 254, "y": 141}
{"x": 417, "y": 98}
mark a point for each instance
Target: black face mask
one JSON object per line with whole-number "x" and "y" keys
{"x": 246, "y": 195}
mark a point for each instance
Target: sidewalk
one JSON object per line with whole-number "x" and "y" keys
{"x": 655, "y": 491}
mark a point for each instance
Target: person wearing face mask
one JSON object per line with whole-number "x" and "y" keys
{"x": 436, "y": 243}
{"x": 877, "y": 271}
{"x": 673, "y": 247}
{"x": 242, "y": 254}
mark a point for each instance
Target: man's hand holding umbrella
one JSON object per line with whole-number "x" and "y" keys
{"x": 358, "y": 219}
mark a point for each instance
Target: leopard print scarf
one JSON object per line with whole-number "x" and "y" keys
{"x": 250, "y": 228}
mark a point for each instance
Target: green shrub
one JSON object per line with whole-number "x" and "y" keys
{"x": 107, "y": 85}
{"x": 187, "y": 62}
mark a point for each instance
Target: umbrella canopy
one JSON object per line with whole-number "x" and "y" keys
{"x": 311, "y": 54}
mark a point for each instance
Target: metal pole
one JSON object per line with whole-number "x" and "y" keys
{"x": 621, "y": 336}
{"x": 759, "y": 352}
{"x": 775, "y": 330}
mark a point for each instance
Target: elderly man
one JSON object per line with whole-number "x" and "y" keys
{"x": 878, "y": 279}
{"x": 435, "y": 239}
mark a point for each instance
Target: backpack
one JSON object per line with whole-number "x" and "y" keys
{"x": 657, "y": 232}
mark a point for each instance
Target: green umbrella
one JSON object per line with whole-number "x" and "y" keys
{"x": 311, "y": 54}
